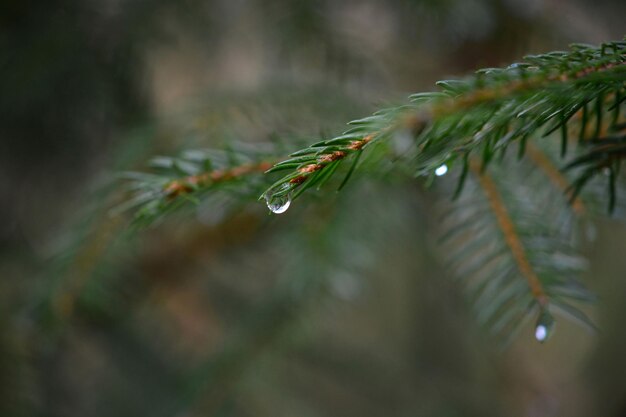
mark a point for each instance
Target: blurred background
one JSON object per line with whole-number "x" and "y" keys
{"x": 338, "y": 307}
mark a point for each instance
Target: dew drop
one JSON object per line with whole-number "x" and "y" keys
{"x": 278, "y": 201}
{"x": 545, "y": 326}
{"x": 541, "y": 332}
{"x": 441, "y": 170}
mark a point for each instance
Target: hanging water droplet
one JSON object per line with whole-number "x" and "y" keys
{"x": 441, "y": 170}
{"x": 545, "y": 325}
{"x": 278, "y": 201}
{"x": 541, "y": 332}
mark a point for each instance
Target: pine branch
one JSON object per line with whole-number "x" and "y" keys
{"x": 192, "y": 176}
{"x": 539, "y": 158}
{"x": 518, "y": 248}
{"x": 513, "y": 248}
{"x": 187, "y": 185}
{"x": 510, "y": 235}
{"x": 481, "y": 114}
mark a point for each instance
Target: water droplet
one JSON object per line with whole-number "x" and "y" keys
{"x": 541, "y": 332}
{"x": 278, "y": 201}
{"x": 545, "y": 326}
{"x": 441, "y": 170}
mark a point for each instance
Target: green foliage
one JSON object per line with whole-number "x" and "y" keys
{"x": 514, "y": 202}
{"x": 487, "y": 112}
{"x": 517, "y": 251}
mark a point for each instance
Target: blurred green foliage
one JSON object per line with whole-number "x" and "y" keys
{"x": 338, "y": 308}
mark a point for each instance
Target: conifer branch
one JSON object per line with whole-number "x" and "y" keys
{"x": 484, "y": 113}
{"x": 510, "y": 234}
{"x": 539, "y": 158}
{"x": 471, "y": 122}
{"x": 191, "y": 176}
{"x": 512, "y": 246}
{"x": 186, "y": 185}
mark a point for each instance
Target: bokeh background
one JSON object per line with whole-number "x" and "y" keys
{"x": 339, "y": 307}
